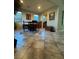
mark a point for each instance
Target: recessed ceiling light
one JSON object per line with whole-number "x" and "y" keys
{"x": 21, "y": 1}
{"x": 39, "y": 7}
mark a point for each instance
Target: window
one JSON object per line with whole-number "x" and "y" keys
{"x": 18, "y": 16}
{"x": 36, "y": 18}
{"x": 43, "y": 18}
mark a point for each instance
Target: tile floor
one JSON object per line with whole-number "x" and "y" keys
{"x": 39, "y": 45}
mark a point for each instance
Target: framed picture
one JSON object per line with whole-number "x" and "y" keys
{"x": 52, "y": 16}
{"x": 28, "y": 16}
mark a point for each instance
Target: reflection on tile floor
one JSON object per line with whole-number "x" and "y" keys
{"x": 39, "y": 46}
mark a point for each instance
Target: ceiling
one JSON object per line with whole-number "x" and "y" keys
{"x": 31, "y": 5}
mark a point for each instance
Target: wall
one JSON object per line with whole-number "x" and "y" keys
{"x": 57, "y": 23}
{"x": 60, "y": 27}
{"x": 24, "y": 15}
{"x": 52, "y": 23}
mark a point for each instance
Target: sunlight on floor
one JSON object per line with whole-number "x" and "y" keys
{"x": 20, "y": 38}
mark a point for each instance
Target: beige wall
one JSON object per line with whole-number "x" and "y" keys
{"x": 53, "y": 22}
{"x": 24, "y": 15}
{"x": 58, "y": 16}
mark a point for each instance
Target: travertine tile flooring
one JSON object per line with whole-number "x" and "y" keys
{"x": 42, "y": 45}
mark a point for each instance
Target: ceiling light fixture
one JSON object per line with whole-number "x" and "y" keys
{"x": 39, "y": 7}
{"x": 21, "y": 1}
